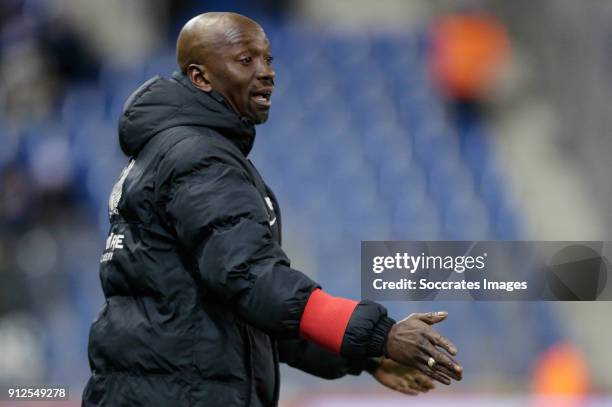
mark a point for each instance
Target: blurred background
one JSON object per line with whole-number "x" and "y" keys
{"x": 394, "y": 119}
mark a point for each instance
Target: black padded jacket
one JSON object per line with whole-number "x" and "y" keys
{"x": 201, "y": 301}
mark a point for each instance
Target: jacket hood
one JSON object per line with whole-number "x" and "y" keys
{"x": 160, "y": 104}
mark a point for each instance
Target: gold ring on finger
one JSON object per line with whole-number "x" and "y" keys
{"x": 431, "y": 362}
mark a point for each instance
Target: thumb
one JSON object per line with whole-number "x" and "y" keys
{"x": 432, "y": 317}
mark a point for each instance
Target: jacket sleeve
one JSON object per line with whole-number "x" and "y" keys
{"x": 220, "y": 218}
{"x": 315, "y": 360}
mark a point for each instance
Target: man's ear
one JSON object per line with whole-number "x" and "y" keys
{"x": 198, "y": 76}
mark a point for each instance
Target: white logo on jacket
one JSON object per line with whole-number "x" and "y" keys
{"x": 271, "y": 207}
{"x": 115, "y": 196}
{"x": 114, "y": 241}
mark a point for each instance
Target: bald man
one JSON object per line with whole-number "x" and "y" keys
{"x": 201, "y": 301}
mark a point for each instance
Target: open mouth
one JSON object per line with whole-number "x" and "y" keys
{"x": 262, "y": 98}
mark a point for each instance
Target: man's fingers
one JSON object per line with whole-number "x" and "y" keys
{"x": 442, "y": 342}
{"x": 441, "y": 363}
{"x": 433, "y": 373}
{"x": 450, "y": 373}
{"x": 428, "y": 351}
{"x": 442, "y": 358}
{"x": 431, "y": 317}
{"x": 423, "y": 381}
{"x": 417, "y": 387}
{"x": 407, "y": 390}
{"x": 436, "y": 375}
{"x": 446, "y": 364}
{"x": 441, "y": 378}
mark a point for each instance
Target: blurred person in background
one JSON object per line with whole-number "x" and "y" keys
{"x": 201, "y": 302}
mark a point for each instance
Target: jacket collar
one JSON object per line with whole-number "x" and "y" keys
{"x": 239, "y": 130}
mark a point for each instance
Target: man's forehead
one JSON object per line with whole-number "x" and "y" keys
{"x": 245, "y": 35}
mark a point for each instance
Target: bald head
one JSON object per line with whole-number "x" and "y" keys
{"x": 206, "y": 34}
{"x": 229, "y": 54}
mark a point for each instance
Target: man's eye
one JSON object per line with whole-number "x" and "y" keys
{"x": 246, "y": 60}
{"x": 269, "y": 59}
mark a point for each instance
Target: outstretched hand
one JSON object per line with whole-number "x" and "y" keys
{"x": 413, "y": 342}
{"x": 407, "y": 380}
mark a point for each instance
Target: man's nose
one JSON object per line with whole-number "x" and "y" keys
{"x": 266, "y": 73}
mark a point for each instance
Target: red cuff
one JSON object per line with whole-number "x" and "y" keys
{"x": 325, "y": 319}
